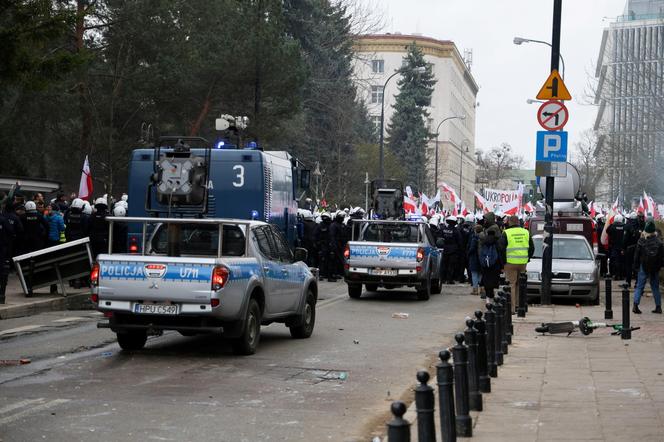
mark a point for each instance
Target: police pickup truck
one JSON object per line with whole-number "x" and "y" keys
{"x": 199, "y": 276}
{"x": 392, "y": 254}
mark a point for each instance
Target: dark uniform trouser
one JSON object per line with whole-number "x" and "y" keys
{"x": 449, "y": 268}
{"x": 616, "y": 263}
{"x": 4, "y": 274}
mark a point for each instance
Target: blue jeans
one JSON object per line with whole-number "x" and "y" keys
{"x": 641, "y": 284}
{"x": 477, "y": 276}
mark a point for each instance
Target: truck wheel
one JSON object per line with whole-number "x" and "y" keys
{"x": 424, "y": 291}
{"x": 306, "y": 327}
{"x": 132, "y": 340}
{"x": 247, "y": 343}
{"x": 355, "y": 290}
{"x": 371, "y": 287}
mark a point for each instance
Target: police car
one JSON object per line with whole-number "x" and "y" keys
{"x": 198, "y": 276}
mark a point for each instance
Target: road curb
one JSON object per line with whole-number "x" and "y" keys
{"x": 77, "y": 301}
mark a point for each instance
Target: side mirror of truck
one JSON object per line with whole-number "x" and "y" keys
{"x": 300, "y": 254}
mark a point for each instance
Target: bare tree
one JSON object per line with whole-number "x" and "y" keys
{"x": 585, "y": 159}
{"x": 494, "y": 165}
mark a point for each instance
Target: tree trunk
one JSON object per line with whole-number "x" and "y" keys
{"x": 86, "y": 114}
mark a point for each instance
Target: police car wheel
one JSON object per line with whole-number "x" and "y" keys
{"x": 247, "y": 343}
{"x": 306, "y": 328}
{"x": 435, "y": 287}
{"x": 355, "y": 290}
{"x": 132, "y": 340}
{"x": 424, "y": 292}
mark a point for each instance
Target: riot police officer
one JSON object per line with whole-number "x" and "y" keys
{"x": 451, "y": 239}
{"x": 76, "y": 222}
{"x": 322, "y": 241}
{"x": 99, "y": 228}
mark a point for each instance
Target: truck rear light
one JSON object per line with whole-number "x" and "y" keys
{"x": 94, "y": 298}
{"x": 420, "y": 254}
{"x": 347, "y": 252}
{"x": 108, "y": 314}
{"x": 214, "y": 302}
{"x": 133, "y": 245}
{"x": 94, "y": 275}
{"x": 219, "y": 277}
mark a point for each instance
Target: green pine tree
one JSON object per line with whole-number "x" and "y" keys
{"x": 407, "y": 131}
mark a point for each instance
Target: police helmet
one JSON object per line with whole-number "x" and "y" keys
{"x": 470, "y": 218}
{"x": 119, "y": 211}
{"x": 100, "y": 200}
{"x": 87, "y": 208}
{"x": 633, "y": 215}
{"x": 77, "y": 203}
{"x": 325, "y": 216}
{"x": 124, "y": 197}
{"x": 30, "y": 205}
{"x": 618, "y": 219}
{"x": 451, "y": 218}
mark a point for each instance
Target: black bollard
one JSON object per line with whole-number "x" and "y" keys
{"x": 490, "y": 316}
{"x": 503, "y": 324}
{"x": 482, "y": 362}
{"x": 424, "y": 402}
{"x": 398, "y": 429}
{"x": 507, "y": 317}
{"x": 523, "y": 295}
{"x": 474, "y": 395}
{"x": 464, "y": 423}
{"x": 625, "y": 333}
{"x": 497, "y": 338}
{"x": 445, "y": 377}
{"x": 608, "y": 308}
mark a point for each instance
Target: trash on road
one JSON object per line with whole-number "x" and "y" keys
{"x": 400, "y": 315}
{"x": 355, "y": 341}
{"x": 8, "y": 362}
{"x": 107, "y": 354}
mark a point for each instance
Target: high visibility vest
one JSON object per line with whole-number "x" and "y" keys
{"x": 518, "y": 240}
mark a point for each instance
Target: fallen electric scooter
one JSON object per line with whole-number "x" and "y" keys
{"x": 585, "y": 326}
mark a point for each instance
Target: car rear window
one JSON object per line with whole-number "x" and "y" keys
{"x": 394, "y": 233}
{"x": 202, "y": 240}
{"x": 565, "y": 248}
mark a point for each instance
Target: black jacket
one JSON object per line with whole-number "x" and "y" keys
{"x": 649, "y": 244}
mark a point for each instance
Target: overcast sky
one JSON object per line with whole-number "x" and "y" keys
{"x": 509, "y": 74}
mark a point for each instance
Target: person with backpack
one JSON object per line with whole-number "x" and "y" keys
{"x": 516, "y": 247}
{"x": 487, "y": 249}
{"x": 648, "y": 258}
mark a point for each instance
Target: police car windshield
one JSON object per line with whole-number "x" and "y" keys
{"x": 565, "y": 248}
{"x": 202, "y": 240}
{"x": 394, "y": 233}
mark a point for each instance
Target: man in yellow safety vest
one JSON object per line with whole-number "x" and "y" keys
{"x": 517, "y": 248}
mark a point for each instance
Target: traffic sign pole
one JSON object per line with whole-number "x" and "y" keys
{"x": 547, "y": 253}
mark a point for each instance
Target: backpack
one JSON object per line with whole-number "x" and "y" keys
{"x": 488, "y": 255}
{"x": 651, "y": 259}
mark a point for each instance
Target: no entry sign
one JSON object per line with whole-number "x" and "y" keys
{"x": 552, "y": 115}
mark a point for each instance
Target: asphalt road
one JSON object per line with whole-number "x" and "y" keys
{"x": 336, "y": 386}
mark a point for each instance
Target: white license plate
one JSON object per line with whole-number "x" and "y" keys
{"x": 383, "y": 272}
{"x": 575, "y": 227}
{"x": 156, "y": 309}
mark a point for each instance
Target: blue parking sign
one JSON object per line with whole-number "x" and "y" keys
{"x": 551, "y": 146}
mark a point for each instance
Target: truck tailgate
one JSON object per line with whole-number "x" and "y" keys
{"x": 155, "y": 278}
{"x": 382, "y": 255}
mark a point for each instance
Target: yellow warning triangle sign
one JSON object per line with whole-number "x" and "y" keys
{"x": 554, "y": 88}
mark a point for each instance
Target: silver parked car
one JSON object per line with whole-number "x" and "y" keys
{"x": 574, "y": 267}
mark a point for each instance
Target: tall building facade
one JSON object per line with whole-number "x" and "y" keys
{"x": 379, "y": 56}
{"x": 630, "y": 99}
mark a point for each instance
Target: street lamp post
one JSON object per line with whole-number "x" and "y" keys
{"x": 435, "y": 172}
{"x": 520, "y": 40}
{"x": 420, "y": 69}
{"x": 461, "y": 167}
{"x": 366, "y": 193}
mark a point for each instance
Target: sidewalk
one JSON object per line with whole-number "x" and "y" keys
{"x": 577, "y": 388}
{"x": 17, "y": 304}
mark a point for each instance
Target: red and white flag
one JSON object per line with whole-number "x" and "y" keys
{"x": 85, "y": 187}
{"x": 481, "y": 202}
{"x": 593, "y": 212}
{"x": 409, "y": 204}
{"x": 447, "y": 189}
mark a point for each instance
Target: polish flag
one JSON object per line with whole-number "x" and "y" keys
{"x": 85, "y": 187}
{"x": 642, "y": 208}
{"x": 409, "y": 204}
{"x": 528, "y": 207}
{"x": 409, "y": 192}
{"x": 481, "y": 202}
{"x": 447, "y": 189}
{"x": 424, "y": 204}
{"x": 614, "y": 207}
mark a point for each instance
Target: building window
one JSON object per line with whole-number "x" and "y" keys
{"x": 375, "y": 120}
{"x": 378, "y": 66}
{"x": 376, "y": 94}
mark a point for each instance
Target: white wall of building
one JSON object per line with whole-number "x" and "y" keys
{"x": 453, "y": 95}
